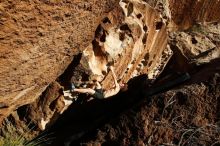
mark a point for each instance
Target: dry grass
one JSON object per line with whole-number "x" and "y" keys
{"x": 11, "y": 136}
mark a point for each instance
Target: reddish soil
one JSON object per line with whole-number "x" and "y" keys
{"x": 187, "y": 115}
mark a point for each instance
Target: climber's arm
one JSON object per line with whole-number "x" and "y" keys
{"x": 85, "y": 90}
{"x": 117, "y": 86}
{"x": 116, "y": 89}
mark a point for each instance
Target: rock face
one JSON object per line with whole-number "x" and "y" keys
{"x": 135, "y": 38}
{"x": 38, "y": 40}
{"x": 132, "y": 36}
{"x": 186, "y": 13}
{"x": 47, "y": 44}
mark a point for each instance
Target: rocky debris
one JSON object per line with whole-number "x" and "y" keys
{"x": 200, "y": 44}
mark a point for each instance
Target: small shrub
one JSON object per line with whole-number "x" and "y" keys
{"x": 12, "y": 137}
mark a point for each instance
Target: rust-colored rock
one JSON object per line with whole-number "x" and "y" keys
{"x": 133, "y": 42}
{"x": 185, "y": 13}
{"x": 38, "y": 40}
{"x": 188, "y": 12}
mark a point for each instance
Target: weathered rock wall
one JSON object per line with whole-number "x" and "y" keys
{"x": 185, "y": 13}
{"x": 188, "y": 12}
{"x": 131, "y": 39}
{"x": 137, "y": 44}
{"x": 38, "y": 40}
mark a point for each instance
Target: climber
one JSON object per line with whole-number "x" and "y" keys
{"x": 98, "y": 92}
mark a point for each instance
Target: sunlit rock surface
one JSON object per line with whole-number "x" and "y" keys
{"x": 38, "y": 41}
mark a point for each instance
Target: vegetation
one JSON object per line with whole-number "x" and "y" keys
{"x": 10, "y": 136}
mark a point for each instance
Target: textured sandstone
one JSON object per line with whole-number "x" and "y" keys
{"x": 187, "y": 12}
{"x": 133, "y": 43}
{"x": 38, "y": 40}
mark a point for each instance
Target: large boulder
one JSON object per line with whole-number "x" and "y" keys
{"x": 38, "y": 40}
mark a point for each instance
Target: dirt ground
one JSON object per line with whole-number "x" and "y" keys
{"x": 187, "y": 115}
